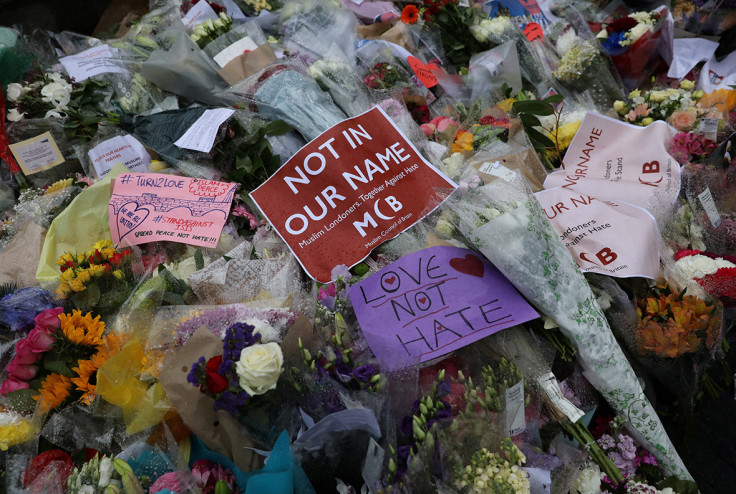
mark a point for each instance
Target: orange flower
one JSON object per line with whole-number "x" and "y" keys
{"x": 463, "y": 142}
{"x": 53, "y": 392}
{"x": 410, "y": 14}
{"x": 82, "y": 330}
{"x": 86, "y": 371}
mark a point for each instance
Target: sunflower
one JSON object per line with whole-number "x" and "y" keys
{"x": 410, "y": 14}
{"x": 59, "y": 185}
{"x": 53, "y": 392}
{"x": 82, "y": 330}
{"x": 86, "y": 372}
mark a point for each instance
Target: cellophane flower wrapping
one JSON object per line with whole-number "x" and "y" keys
{"x": 542, "y": 269}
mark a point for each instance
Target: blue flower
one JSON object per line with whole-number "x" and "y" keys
{"x": 612, "y": 46}
{"x": 18, "y": 309}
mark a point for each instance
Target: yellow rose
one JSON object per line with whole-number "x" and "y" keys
{"x": 84, "y": 276}
{"x": 647, "y": 121}
{"x": 77, "y": 285}
{"x": 118, "y": 274}
{"x": 658, "y": 96}
{"x": 633, "y": 94}
{"x": 259, "y": 368}
{"x": 619, "y": 106}
{"x": 102, "y": 244}
{"x": 687, "y": 85}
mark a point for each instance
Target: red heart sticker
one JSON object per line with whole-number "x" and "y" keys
{"x": 470, "y": 265}
{"x": 533, "y": 31}
{"x": 391, "y": 280}
{"x": 422, "y": 300}
{"x": 423, "y": 72}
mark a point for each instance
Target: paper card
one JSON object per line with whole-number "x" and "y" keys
{"x": 201, "y": 135}
{"x": 37, "y": 154}
{"x": 198, "y": 14}
{"x": 360, "y": 183}
{"x": 515, "y": 409}
{"x": 496, "y": 169}
{"x": 709, "y": 205}
{"x": 551, "y": 388}
{"x": 619, "y": 162}
{"x": 92, "y": 62}
{"x": 148, "y": 207}
{"x": 432, "y": 302}
{"x": 241, "y": 46}
{"x": 615, "y": 239}
{"x": 124, "y": 149}
{"x": 709, "y": 128}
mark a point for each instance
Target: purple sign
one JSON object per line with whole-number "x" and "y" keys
{"x": 432, "y": 302}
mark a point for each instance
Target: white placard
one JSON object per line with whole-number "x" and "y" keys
{"x": 709, "y": 205}
{"x": 235, "y": 50}
{"x": 687, "y": 53}
{"x": 198, "y": 14}
{"x": 201, "y": 135}
{"x": 124, "y": 149}
{"x": 515, "y": 409}
{"x": 37, "y": 154}
{"x": 551, "y": 388}
{"x": 91, "y": 62}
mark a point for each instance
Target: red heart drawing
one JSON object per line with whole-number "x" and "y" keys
{"x": 469, "y": 265}
{"x": 422, "y": 300}
{"x": 391, "y": 280}
{"x": 423, "y": 72}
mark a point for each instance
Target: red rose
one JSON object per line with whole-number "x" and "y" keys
{"x": 621, "y": 24}
{"x": 215, "y": 382}
{"x": 48, "y": 472}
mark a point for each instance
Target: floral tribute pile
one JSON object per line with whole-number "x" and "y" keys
{"x": 365, "y": 247}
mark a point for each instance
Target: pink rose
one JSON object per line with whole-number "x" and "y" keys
{"x": 683, "y": 120}
{"x": 48, "y": 320}
{"x": 442, "y": 123}
{"x": 428, "y": 129}
{"x": 23, "y": 372}
{"x": 11, "y": 384}
{"x": 40, "y": 340}
{"x": 24, "y": 353}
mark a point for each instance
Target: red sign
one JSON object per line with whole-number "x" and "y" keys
{"x": 357, "y": 185}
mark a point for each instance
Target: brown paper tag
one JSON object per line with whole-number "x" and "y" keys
{"x": 247, "y": 64}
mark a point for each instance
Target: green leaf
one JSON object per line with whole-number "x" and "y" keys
{"x": 277, "y": 128}
{"x": 530, "y": 120}
{"x": 679, "y": 486}
{"x": 532, "y": 106}
{"x": 539, "y": 140}
{"x": 198, "y": 259}
{"x": 555, "y": 98}
{"x": 58, "y": 366}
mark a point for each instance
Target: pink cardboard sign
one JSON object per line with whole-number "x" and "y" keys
{"x": 148, "y": 207}
{"x": 615, "y": 239}
{"x": 432, "y": 302}
{"x": 615, "y": 161}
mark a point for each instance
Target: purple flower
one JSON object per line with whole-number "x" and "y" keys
{"x": 364, "y": 373}
{"x": 444, "y": 388}
{"x": 606, "y": 442}
{"x": 194, "y": 376}
{"x": 344, "y": 373}
{"x": 18, "y": 309}
{"x": 444, "y": 413}
{"x": 226, "y": 401}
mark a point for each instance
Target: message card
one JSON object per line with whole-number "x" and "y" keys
{"x": 357, "y": 185}
{"x": 431, "y": 302}
{"x": 148, "y": 207}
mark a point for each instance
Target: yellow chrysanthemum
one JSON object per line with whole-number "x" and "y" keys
{"x": 14, "y": 430}
{"x": 53, "y": 392}
{"x": 102, "y": 244}
{"x": 59, "y": 185}
{"x": 82, "y": 330}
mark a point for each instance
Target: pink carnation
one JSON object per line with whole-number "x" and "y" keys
{"x": 11, "y": 384}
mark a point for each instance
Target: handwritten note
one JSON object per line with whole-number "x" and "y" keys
{"x": 148, "y": 207}
{"x": 201, "y": 135}
{"x": 360, "y": 183}
{"x": 432, "y": 302}
{"x": 92, "y": 62}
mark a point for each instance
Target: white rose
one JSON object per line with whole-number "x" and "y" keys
{"x": 589, "y": 481}
{"x": 695, "y": 267}
{"x": 14, "y": 91}
{"x": 638, "y": 31}
{"x": 57, "y": 94}
{"x": 14, "y": 115}
{"x": 480, "y": 31}
{"x": 259, "y": 368}
{"x": 106, "y": 469}
{"x": 53, "y": 114}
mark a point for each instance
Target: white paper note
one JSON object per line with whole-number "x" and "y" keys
{"x": 515, "y": 409}
{"x": 201, "y": 135}
{"x": 37, "y": 154}
{"x": 234, "y": 50}
{"x": 89, "y": 63}
{"x": 124, "y": 149}
{"x": 709, "y": 205}
{"x": 198, "y": 14}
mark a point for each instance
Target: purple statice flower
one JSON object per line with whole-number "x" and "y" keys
{"x": 606, "y": 442}
{"x": 216, "y": 320}
{"x": 364, "y": 373}
{"x": 237, "y": 337}
{"x": 195, "y": 374}
{"x": 627, "y": 447}
{"x": 626, "y": 466}
{"x": 18, "y": 309}
{"x": 227, "y": 401}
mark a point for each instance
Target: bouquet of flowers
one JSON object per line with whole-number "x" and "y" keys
{"x": 100, "y": 279}
{"x": 676, "y": 106}
{"x": 56, "y": 363}
{"x": 542, "y": 269}
{"x": 15, "y": 429}
{"x": 209, "y": 31}
{"x": 242, "y": 377}
{"x": 340, "y": 80}
{"x": 632, "y": 42}
{"x": 716, "y": 274}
